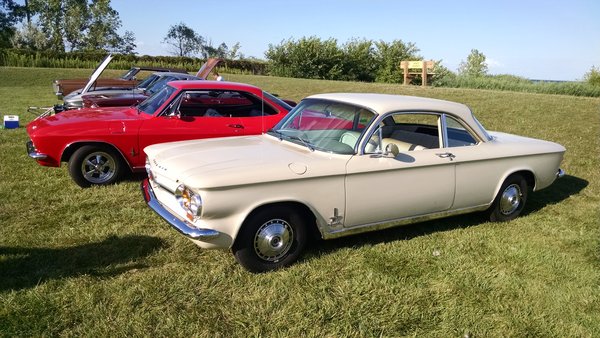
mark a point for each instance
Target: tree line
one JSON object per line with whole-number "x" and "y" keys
{"x": 93, "y": 25}
{"x": 357, "y": 60}
{"x": 90, "y": 26}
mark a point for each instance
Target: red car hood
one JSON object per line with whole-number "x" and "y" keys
{"x": 86, "y": 116}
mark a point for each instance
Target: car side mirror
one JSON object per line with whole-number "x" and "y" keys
{"x": 391, "y": 149}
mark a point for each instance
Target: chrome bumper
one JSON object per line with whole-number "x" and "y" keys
{"x": 33, "y": 153}
{"x": 182, "y": 226}
{"x": 560, "y": 173}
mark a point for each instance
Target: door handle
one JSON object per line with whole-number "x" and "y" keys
{"x": 238, "y": 126}
{"x": 450, "y": 156}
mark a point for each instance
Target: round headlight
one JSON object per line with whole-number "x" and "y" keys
{"x": 195, "y": 205}
{"x": 182, "y": 197}
{"x": 189, "y": 201}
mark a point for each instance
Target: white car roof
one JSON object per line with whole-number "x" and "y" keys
{"x": 386, "y": 103}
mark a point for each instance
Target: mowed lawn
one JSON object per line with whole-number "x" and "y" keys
{"x": 98, "y": 262}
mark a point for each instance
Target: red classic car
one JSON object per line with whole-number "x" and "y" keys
{"x": 102, "y": 144}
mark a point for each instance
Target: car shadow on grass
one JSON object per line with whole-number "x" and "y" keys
{"x": 560, "y": 190}
{"x": 22, "y": 267}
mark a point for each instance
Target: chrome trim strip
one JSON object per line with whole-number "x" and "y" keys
{"x": 33, "y": 153}
{"x": 183, "y": 227}
{"x": 560, "y": 173}
{"x": 443, "y": 128}
{"x": 403, "y": 221}
{"x": 37, "y": 156}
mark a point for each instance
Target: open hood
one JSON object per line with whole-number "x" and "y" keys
{"x": 97, "y": 72}
{"x": 207, "y": 67}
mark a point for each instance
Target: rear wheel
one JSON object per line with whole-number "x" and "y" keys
{"x": 510, "y": 200}
{"x": 95, "y": 165}
{"x": 270, "y": 239}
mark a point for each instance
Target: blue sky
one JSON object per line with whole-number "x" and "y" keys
{"x": 550, "y": 40}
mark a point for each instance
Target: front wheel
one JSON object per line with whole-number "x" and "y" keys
{"x": 270, "y": 239}
{"x": 510, "y": 200}
{"x": 95, "y": 165}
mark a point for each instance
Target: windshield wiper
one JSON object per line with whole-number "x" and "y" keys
{"x": 279, "y": 134}
{"x": 305, "y": 142}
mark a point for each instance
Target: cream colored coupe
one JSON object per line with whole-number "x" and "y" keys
{"x": 341, "y": 164}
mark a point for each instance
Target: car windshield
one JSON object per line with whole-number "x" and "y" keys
{"x": 481, "y": 128}
{"x": 147, "y": 81}
{"x": 159, "y": 84}
{"x": 152, "y": 103}
{"x": 130, "y": 74}
{"x": 324, "y": 125}
{"x": 277, "y": 100}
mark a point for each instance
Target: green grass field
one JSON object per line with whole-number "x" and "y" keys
{"x": 98, "y": 262}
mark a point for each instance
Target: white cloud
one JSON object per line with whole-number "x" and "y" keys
{"x": 493, "y": 63}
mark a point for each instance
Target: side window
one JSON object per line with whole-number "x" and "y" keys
{"x": 458, "y": 136}
{"x": 408, "y": 131}
{"x": 223, "y": 103}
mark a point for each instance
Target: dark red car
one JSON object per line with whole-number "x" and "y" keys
{"x": 102, "y": 144}
{"x": 63, "y": 87}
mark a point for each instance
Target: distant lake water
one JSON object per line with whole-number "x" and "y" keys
{"x": 550, "y": 81}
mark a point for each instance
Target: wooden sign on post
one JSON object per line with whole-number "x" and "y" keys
{"x": 412, "y": 68}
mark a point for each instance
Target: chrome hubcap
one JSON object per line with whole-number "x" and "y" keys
{"x": 511, "y": 199}
{"x": 98, "y": 167}
{"x": 273, "y": 240}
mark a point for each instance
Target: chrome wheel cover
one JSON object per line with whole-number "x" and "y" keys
{"x": 511, "y": 199}
{"x": 98, "y": 167}
{"x": 273, "y": 240}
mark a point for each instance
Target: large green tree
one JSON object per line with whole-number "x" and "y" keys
{"x": 474, "y": 66}
{"x": 593, "y": 76}
{"x": 30, "y": 36}
{"x": 360, "y": 63}
{"x": 76, "y": 25}
{"x": 126, "y": 43}
{"x": 50, "y": 14}
{"x": 103, "y": 25}
{"x": 183, "y": 40}
{"x": 208, "y": 50}
{"x": 388, "y": 56}
{"x": 10, "y": 14}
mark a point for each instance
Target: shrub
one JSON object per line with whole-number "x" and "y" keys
{"x": 592, "y": 77}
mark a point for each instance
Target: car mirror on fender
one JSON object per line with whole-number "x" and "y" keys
{"x": 391, "y": 149}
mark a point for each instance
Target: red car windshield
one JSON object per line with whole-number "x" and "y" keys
{"x": 152, "y": 103}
